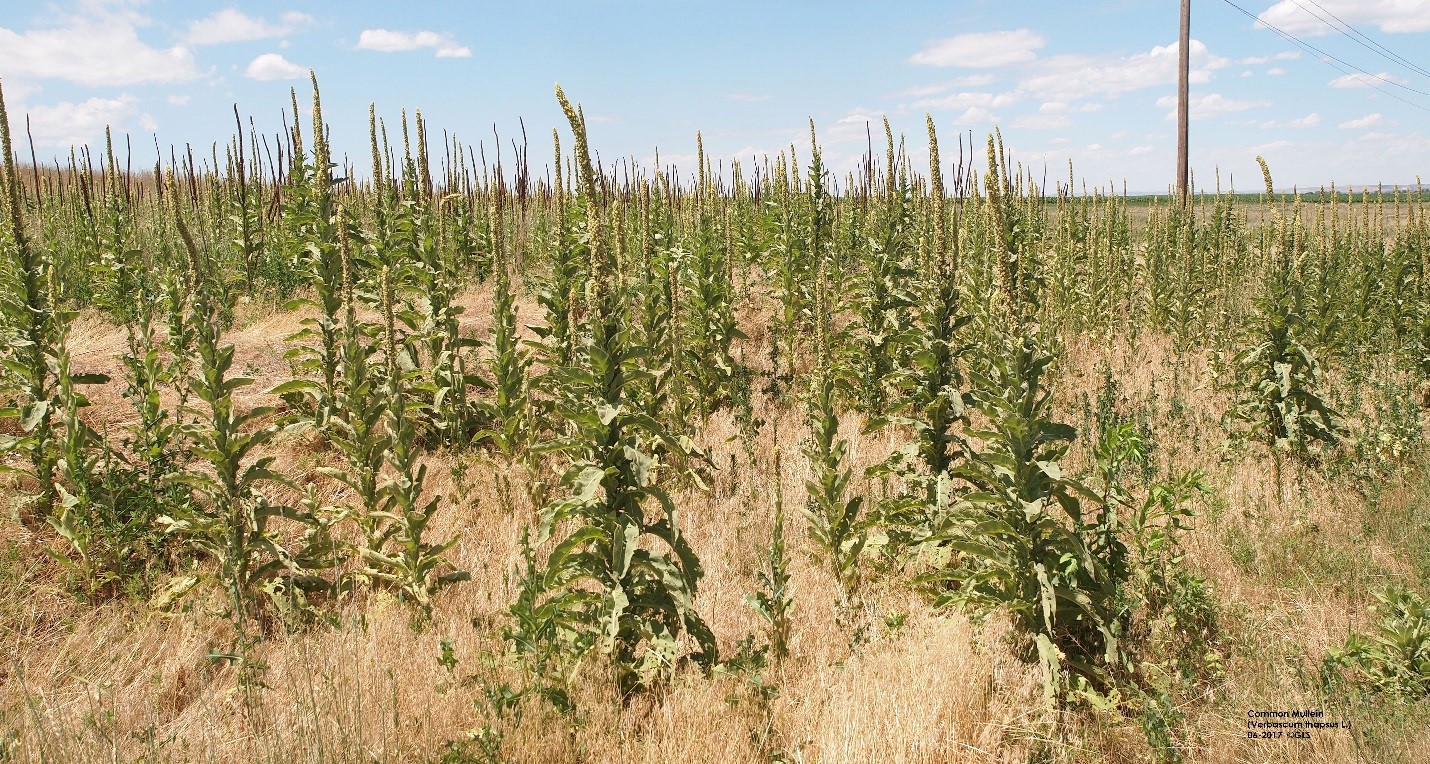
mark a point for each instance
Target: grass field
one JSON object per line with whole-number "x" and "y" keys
{"x": 456, "y": 464}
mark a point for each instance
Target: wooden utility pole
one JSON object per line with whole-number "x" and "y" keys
{"x": 1184, "y": 59}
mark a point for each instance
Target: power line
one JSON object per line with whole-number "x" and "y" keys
{"x": 1346, "y": 68}
{"x": 1327, "y": 56}
{"x": 1355, "y": 35}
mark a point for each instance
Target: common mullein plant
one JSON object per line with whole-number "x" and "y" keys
{"x": 837, "y": 525}
{"x": 1020, "y": 541}
{"x": 310, "y": 216}
{"x": 658, "y": 334}
{"x": 408, "y": 560}
{"x": 707, "y": 293}
{"x": 109, "y": 498}
{"x": 358, "y": 430}
{"x": 1281, "y": 388}
{"x": 231, "y": 516}
{"x": 154, "y": 443}
{"x": 934, "y": 383}
{"x": 243, "y": 199}
{"x": 622, "y": 579}
{"x": 559, "y": 294}
{"x": 882, "y": 328}
{"x": 1015, "y": 232}
{"x": 398, "y": 551}
{"x": 797, "y": 239}
{"x": 1136, "y": 534}
{"x": 444, "y": 380}
{"x": 1395, "y": 658}
{"x": 775, "y": 599}
{"x": 91, "y": 500}
{"x": 37, "y": 332}
{"x": 113, "y": 233}
{"x": 509, "y": 408}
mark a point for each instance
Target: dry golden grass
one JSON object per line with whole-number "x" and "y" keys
{"x": 122, "y": 682}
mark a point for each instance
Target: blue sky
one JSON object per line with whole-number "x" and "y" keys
{"x": 1092, "y": 81}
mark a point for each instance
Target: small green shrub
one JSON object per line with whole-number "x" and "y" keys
{"x": 1395, "y": 659}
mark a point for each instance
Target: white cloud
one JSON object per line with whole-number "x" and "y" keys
{"x": 1357, "y": 124}
{"x": 1075, "y": 77}
{"x": 1267, "y": 148}
{"x": 976, "y": 115}
{"x": 1390, "y": 16}
{"x": 99, "y": 48}
{"x": 1044, "y": 121}
{"x": 1380, "y": 155}
{"x": 272, "y": 66}
{"x": 670, "y": 160}
{"x": 981, "y": 49}
{"x": 178, "y": 100}
{"x": 1053, "y": 107}
{"x": 956, "y": 101}
{"x": 1210, "y": 105}
{"x": 971, "y": 81}
{"x": 1310, "y": 120}
{"x": 68, "y": 124}
{"x": 16, "y": 93}
{"x": 852, "y": 128}
{"x": 1275, "y": 71}
{"x": 232, "y": 25}
{"x": 1357, "y": 80}
{"x": 1288, "y": 55}
{"x": 389, "y": 41}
